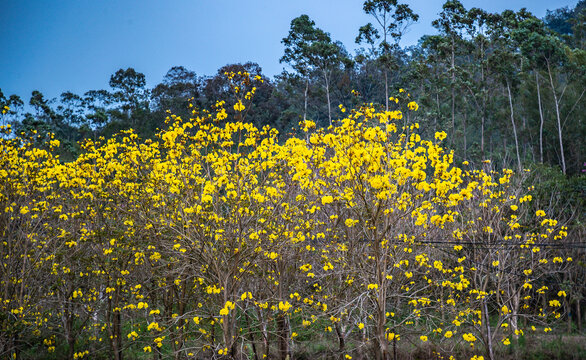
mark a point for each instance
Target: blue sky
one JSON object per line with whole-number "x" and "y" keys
{"x": 75, "y": 45}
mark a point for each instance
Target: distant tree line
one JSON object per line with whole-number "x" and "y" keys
{"x": 507, "y": 87}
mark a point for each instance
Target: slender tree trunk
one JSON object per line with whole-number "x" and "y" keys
{"x": 118, "y": 335}
{"x": 283, "y": 324}
{"x": 515, "y": 314}
{"x": 482, "y": 120}
{"x": 439, "y": 112}
{"x": 341, "y": 339}
{"x": 579, "y": 314}
{"x": 327, "y": 80}
{"x": 283, "y": 337}
{"x": 557, "y": 114}
{"x": 68, "y": 327}
{"x": 567, "y": 303}
{"x": 540, "y": 117}
{"x": 255, "y": 347}
{"x": 228, "y": 320}
{"x": 483, "y": 117}
{"x": 305, "y": 98}
{"x": 453, "y": 68}
{"x": 264, "y": 333}
{"x": 453, "y": 117}
{"x": 464, "y": 135}
{"x": 114, "y": 328}
{"x": 382, "y": 348}
{"x": 568, "y": 306}
{"x": 387, "y": 90}
{"x": 486, "y": 320}
{"x": 514, "y": 126}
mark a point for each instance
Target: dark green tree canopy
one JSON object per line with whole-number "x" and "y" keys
{"x": 129, "y": 88}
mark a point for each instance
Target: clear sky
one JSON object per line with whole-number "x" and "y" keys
{"x": 75, "y": 45}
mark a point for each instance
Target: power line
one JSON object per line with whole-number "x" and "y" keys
{"x": 501, "y": 244}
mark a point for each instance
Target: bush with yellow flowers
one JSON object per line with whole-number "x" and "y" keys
{"x": 218, "y": 239}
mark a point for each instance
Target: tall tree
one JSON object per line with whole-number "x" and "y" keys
{"x": 530, "y": 35}
{"x": 301, "y": 34}
{"x": 506, "y": 61}
{"x": 393, "y": 20}
{"x": 175, "y": 91}
{"x": 309, "y": 48}
{"x": 43, "y": 121}
{"x": 559, "y": 20}
{"x": 452, "y": 23}
{"x": 13, "y": 102}
{"x": 478, "y": 84}
{"x": 97, "y": 104}
{"x": 71, "y": 108}
{"x": 548, "y": 53}
{"x": 129, "y": 91}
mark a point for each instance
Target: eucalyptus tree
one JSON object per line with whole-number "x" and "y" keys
{"x": 71, "y": 108}
{"x": 179, "y": 85}
{"x": 531, "y": 36}
{"x": 452, "y": 23}
{"x": 97, "y": 104}
{"x": 579, "y": 25}
{"x": 393, "y": 20}
{"x": 302, "y": 33}
{"x": 309, "y": 48}
{"x": 478, "y": 84}
{"x": 129, "y": 91}
{"x": 505, "y": 61}
{"x": 547, "y": 53}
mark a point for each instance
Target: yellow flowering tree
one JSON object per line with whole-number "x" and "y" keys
{"x": 218, "y": 239}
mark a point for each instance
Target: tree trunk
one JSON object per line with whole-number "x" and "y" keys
{"x": 264, "y": 334}
{"x": 283, "y": 337}
{"x": 568, "y": 306}
{"x": 115, "y": 324}
{"x": 515, "y": 314}
{"x": 483, "y": 117}
{"x": 482, "y": 120}
{"x": 514, "y": 126}
{"x": 540, "y": 117}
{"x": 117, "y": 335}
{"x": 486, "y": 320}
{"x": 439, "y": 111}
{"x": 382, "y": 348}
{"x": 305, "y": 98}
{"x": 453, "y": 69}
{"x": 255, "y": 347}
{"x": 579, "y": 315}
{"x": 341, "y": 339}
{"x": 328, "y": 96}
{"x": 557, "y": 114}
{"x": 464, "y": 135}
{"x": 70, "y": 337}
{"x": 387, "y": 89}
